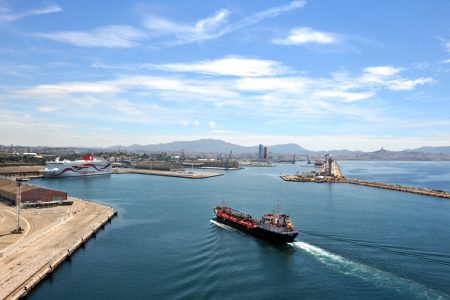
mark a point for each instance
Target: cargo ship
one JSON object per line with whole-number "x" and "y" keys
{"x": 87, "y": 166}
{"x": 274, "y": 226}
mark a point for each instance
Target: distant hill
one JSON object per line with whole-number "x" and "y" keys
{"x": 433, "y": 150}
{"x": 288, "y": 148}
{"x": 394, "y": 155}
{"x": 211, "y": 146}
{"x": 219, "y": 146}
{"x": 336, "y": 152}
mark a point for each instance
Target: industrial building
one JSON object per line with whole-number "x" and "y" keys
{"x": 21, "y": 171}
{"x": 31, "y": 195}
{"x": 159, "y": 165}
{"x": 211, "y": 163}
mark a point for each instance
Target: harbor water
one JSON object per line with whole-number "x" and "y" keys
{"x": 355, "y": 242}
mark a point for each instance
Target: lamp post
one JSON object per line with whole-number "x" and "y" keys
{"x": 18, "y": 201}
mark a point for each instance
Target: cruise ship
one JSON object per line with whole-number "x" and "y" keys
{"x": 86, "y": 166}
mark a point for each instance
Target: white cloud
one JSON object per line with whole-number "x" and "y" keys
{"x": 291, "y": 84}
{"x": 47, "y": 108}
{"x": 260, "y": 16}
{"x": 378, "y": 75}
{"x": 446, "y": 61}
{"x": 155, "y": 27}
{"x": 211, "y": 27}
{"x": 407, "y": 85}
{"x": 113, "y": 36}
{"x": 346, "y": 96}
{"x": 128, "y": 108}
{"x": 201, "y": 30}
{"x": 272, "y": 94}
{"x": 193, "y": 123}
{"x": 227, "y": 66}
{"x": 388, "y": 76}
{"x": 169, "y": 98}
{"x": 381, "y": 71}
{"x": 6, "y": 15}
{"x": 234, "y": 66}
{"x": 160, "y": 26}
{"x": 305, "y": 35}
{"x": 62, "y": 89}
{"x": 271, "y": 89}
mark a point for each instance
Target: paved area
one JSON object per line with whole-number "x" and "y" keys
{"x": 182, "y": 174}
{"x": 50, "y": 233}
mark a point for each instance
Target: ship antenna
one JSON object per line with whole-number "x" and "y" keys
{"x": 278, "y": 206}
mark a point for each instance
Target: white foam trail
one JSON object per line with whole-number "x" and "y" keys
{"x": 222, "y": 225}
{"x": 379, "y": 278}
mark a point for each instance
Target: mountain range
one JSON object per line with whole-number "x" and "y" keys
{"x": 219, "y": 146}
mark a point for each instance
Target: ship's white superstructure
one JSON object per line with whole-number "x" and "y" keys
{"x": 84, "y": 167}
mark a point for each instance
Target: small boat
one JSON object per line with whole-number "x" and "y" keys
{"x": 273, "y": 226}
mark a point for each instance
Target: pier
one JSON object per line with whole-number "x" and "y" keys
{"x": 50, "y": 237}
{"x": 331, "y": 173}
{"x": 181, "y": 174}
{"x": 393, "y": 187}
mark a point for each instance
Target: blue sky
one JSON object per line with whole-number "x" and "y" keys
{"x": 328, "y": 74}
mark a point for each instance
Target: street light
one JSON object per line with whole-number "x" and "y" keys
{"x": 18, "y": 201}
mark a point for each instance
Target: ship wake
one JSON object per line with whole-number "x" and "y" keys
{"x": 377, "y": 277}
{"x": 222, "y": 225}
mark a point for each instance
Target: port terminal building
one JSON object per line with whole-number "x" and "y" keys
{"x": 31, "y": 196}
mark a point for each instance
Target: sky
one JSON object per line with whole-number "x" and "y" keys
{"x": 325, "y": 74}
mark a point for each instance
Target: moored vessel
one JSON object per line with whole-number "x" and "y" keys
{"x": 87, "y": 166}
{"x": 273, "y": 226}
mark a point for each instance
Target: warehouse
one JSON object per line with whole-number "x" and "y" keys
{"x": 21, "y": 171}
{"x": 32, "y": 196}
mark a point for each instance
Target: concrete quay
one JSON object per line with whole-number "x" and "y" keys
{"x": 51, "y": 236}
{"x": 393, "y": 187}
{"x": 181, "y": 174}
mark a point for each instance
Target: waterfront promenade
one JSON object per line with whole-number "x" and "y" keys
{"x": 50, "y": 236}
{"x": 394, "y": 187}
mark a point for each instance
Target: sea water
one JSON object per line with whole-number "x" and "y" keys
{"x": 355, "y": 242}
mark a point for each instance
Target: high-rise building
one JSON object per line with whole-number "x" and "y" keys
{"x": 266, "y": 153}
{"x": 261, "y": 152}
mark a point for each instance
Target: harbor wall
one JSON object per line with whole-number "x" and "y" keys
{"x": 393, "y": 187}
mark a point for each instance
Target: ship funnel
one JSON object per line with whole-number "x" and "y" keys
{"x": 88, "y": 157}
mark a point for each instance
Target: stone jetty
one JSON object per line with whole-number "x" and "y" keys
{"x": 394, "y": 187}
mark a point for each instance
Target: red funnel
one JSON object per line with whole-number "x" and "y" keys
{"x": 88, "y": 157}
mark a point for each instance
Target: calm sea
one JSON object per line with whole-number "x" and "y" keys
{"x": 355, "y": 242}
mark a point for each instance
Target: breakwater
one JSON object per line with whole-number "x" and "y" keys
{"x": 394, "y": 187}
{"x": 182, "y": 174}
{"x": 32, "y": 262}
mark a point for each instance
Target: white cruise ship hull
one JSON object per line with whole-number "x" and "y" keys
{"x": 74, "y": 169}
